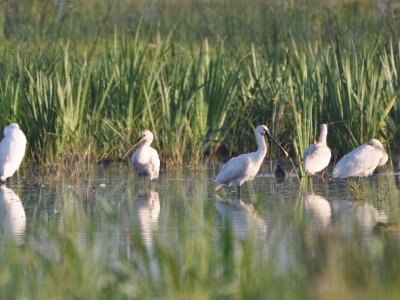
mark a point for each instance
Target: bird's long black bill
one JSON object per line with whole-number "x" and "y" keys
{"x": 279, "y": 145}
{"x": 131, "y": 148}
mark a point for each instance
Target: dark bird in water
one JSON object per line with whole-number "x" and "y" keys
{"x": 280, "y": 172}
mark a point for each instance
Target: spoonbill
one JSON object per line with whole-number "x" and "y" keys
{"x": 317, "y": 156}
{"x": 245, "y": 167}
{"x": 12, "y": 151}
{"x": 145, "y": 160}
{"x": 362, "y": 161}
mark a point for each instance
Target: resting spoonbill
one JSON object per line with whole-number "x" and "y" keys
{"x": 12, "y": 151}
{"x": 362, "y": 161}
{"x": 145, "y": 160}
{"x": 317, "y": 156}
{"x": 245, "y": 167}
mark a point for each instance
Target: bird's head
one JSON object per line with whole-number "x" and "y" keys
{"x": 10, "y": 129}
{"x": 376, "y": 144}
{"x": 145, "y": 135}
{"x": 263, "y": 130}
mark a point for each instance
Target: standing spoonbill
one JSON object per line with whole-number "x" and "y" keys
{"x": 362, "y": 161}
{"x": 145, "y": 160}
{"x": 12, "y": 151}
{"x": 317, "y": 156}
{"x": 245, "y": 167}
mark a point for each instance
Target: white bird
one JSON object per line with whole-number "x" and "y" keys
{"x": 145, "y": 159}
{"x": 245, "y": 167}
{"x": 317, "y": 156}
{"x": 12, "y": 214}
{"x": 12, "y": 151}
{"x": 362, "y": 161}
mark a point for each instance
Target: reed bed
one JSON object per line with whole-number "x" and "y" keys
{"x": 74, "y": 106}
{"x": 84, "y": 94}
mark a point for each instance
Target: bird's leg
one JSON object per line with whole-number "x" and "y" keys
{"x": 238, "y": 189}
{"x": 324, "y": 174}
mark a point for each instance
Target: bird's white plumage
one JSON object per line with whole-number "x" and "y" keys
{"x": 362, "y": 161}
{"x": 317, "y": 156}
{"x": 12, "y": 150}
{"x": 12, "y": 214}
{"x": 145, "y": 159}
{"x": 244, "y": 167}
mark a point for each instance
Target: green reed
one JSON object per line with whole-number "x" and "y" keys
{"x": 83, "y": 106}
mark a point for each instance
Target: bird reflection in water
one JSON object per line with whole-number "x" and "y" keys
{"x": 242, "y": 215}
{"x": 12, "y": 214}
{"x": 363, "y": 214}
{"x": 344, "y": 216}
{"x": 147, "y": 209}
{"x": 318, "y": 209}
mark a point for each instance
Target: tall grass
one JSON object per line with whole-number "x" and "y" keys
{"x": 76, "y": 106}
{"x": 84, "y": 95}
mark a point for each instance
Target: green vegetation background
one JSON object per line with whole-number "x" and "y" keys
{"x": 83, "y": 78}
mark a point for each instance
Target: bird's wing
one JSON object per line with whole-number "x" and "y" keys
{"x": 155, "y": 161}
{"x": 137, "y": 166}
{"x": 316, "y": 158}
{"x": 5, "y": 150}
{"x": 358, "y": 161}
{"x": 233, "y": 169}
{"x": 309, "y": 151}
{"x": 146, "y": 163}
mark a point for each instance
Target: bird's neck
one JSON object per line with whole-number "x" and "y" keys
{"x": 322, "y": 135}
{"x": 147, "y": 143}
{"x": 262, "y": 147}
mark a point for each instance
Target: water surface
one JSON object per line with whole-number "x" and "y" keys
{"x": 123, "y": 210}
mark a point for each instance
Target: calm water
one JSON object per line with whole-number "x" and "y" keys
{"x": 117, "y": 204}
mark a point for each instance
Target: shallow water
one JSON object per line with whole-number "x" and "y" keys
{"x": 116, "y": 204}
